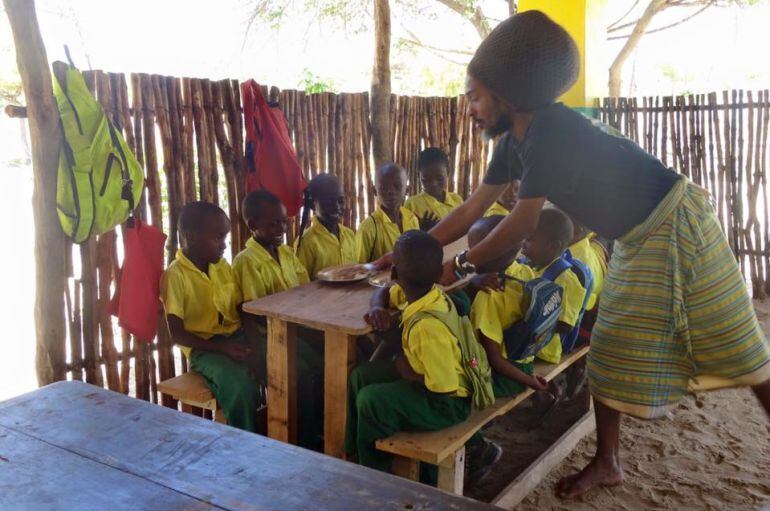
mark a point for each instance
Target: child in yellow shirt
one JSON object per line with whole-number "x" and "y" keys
{"x": 326, "y": 243}
{"x": 268, "y": 266}
{"x": 507, "y": 200}
{"x": 201, "y": 298}
{"x": 379, "y": 232}
{"x": 546, "y": 245}
{"x": 435, "y": 202}
{"x": 425, "y": 388}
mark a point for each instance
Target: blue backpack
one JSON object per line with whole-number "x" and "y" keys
{"x": 527, "y": 337}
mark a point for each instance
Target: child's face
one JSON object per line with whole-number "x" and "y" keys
{"x": 434, "y": 179}
{"x": 329, "y": 204}
{"x": 269, "y": 228}
{"x": 540, "y": 250}
{"x": 510, "y": 196}
{"x": 391, "y": 189}
{"x": 208, "y": 245}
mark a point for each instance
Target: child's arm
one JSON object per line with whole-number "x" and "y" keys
{"x": 180, "y": 336}
{"x": 505, "y": 368}
{"x": 379, "y": 315}
{"x": 406, "y": 372}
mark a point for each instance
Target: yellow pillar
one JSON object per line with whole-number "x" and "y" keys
{"x": 585, "y": 21}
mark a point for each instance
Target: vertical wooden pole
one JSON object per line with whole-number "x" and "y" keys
{"x": 45, "y": 137}
{"x": 381, "y": 145}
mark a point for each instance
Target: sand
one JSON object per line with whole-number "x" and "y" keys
{"x": 712, "y": 452}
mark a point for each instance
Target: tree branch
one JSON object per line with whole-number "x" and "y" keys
{"x": 415, "y": 41}
{"x": 474, "y": 15}
{"x": 633, "y": 6}
{"x": 666, "y": 27}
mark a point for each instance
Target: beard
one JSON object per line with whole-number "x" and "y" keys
{"x": 501, "y": 124}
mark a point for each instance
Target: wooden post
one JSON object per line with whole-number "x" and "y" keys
{"x": 382, "y": 147}
{"x": 50, "y": 267}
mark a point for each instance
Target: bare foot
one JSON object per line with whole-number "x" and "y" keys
{"x": 596, "y": 473}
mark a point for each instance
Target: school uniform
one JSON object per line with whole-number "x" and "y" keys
{"x": 424, "y": 203}
{"x": 584, "y": 252}
{"x": 572, "y": 302}
{"x": 378, "y": 234}
{"x": 497, "y": 209}
{"x": 380, "y": 402}
{"x": 208, "y": 306}
{"x": 258, "y": 274}
{"x": 494, "y": 312}
{"x": 320, "y": 249}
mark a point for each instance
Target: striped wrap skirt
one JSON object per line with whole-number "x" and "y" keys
{"x": 675, "y": 315}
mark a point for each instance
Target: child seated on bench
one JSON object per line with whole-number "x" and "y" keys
{"x": 379, "y": 232}
{"x": 201, "y": 298}
{"x": 507, "y": 200}
{"x": 268, "y": 266}
{"x": 593, "y": 256}
{"x": 544, "y": 248}
{"x": 435, "y": 202}
{"x": 425, "y": 388}
{"x": 326, "y": 243}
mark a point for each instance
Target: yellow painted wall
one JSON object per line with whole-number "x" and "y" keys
{"x": 584, "y": 20}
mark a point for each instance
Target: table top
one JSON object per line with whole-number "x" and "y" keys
{"x": 71, "y": 445}
{"x": 325, "y": 306}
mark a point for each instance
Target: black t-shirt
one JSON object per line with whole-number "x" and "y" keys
{"x": 590, "y": 171}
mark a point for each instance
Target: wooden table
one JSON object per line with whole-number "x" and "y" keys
{"x": 71, "y": 445}
{"x": 338, "y": 310}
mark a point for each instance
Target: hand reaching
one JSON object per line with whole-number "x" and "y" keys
{"x": 379, "y": 318}
{"x": 428, "y": 221}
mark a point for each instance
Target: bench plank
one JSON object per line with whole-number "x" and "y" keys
{"x": 435, "y": 446}
{"x": 190, "y": 387}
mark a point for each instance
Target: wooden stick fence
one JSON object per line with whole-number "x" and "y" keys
{"x": 719, "y": 141}
{"x": 188, "y": 135}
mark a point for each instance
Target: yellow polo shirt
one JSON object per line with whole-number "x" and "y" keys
{"x": 572, "y": 301}
{"x": 424, "y": 203}
{"x": 430, "y": 347}
{"x": 320, "y": 249}
{"x": 496, "y": 209}
{"x": 258, "y": 274}
{"x": 585, "y": 253}
{"x": 494, "y": 312}
{"x": 207, "y": 304}
{"x": 377, "y": 234}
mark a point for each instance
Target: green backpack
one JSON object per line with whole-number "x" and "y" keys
{"x": 99, "y": 180}
{"x": 474, "y": 358}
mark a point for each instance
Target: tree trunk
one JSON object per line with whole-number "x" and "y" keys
{"x": 616, "y": 69}
{"x": 382, "y": 146}
{"x": 50, "y": 272}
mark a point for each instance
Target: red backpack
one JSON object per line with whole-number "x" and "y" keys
{"x": 271, "y": 162}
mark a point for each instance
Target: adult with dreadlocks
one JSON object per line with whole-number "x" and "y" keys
{"x": 674, "y": 314}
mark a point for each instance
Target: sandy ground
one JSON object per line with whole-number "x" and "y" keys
{"x": 712, "y": 452}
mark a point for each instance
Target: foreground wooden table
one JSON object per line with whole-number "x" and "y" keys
{"x": 71, "y": 445}
{"x": 337, "y": 310}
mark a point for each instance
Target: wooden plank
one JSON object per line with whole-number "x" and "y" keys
{"x": 36, "y": 475}
{"x": 339, "y": 357}
{"x": 190, "y": 387}
{"x": 435, "y": 446}
{"x": 281, "y": 381}
{"x": 406, "y": 468}
{"x": 223, "y": 466}
{"x": 528, "y": 480}
{"x": 327, "y": 306}
{"x": 451, "y": 473}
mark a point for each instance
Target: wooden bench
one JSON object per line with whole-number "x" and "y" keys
{"x": 191, "y": 390}
{"x": 446, "y": 448}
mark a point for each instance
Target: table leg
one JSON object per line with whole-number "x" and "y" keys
{"x": 281, "y": 380}
{"x": 339, "y": 357}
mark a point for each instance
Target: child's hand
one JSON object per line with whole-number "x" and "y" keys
{"x": 379, "y": 318}
{"x": 384, "y": 262}
{"x": 488, "y": 282}
{"x": 538, "y": 383}
{"x": 236, "y": 351}
{"x": 428, "y": 221}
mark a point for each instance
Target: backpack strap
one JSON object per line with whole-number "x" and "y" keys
{"x": 557, "y": 268}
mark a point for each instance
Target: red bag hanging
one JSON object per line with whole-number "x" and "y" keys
{"x": 271, "y": 162}
{"x": 136, "y": 301}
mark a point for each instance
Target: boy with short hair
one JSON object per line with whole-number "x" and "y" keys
{"x": 268, "y": 266}
{"x": 425, "y": 388}
{"x": 326, "y": 243}
{"x": 201, "y": 298}
{"x": 379, "y": 232}
{"x": 435, "y": 201}
{"x": 546, "y": 245}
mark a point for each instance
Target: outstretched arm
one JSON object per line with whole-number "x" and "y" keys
{"x": 456, "y": 224}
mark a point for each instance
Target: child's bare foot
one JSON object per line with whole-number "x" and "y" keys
{"x": 596, "y": 473}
